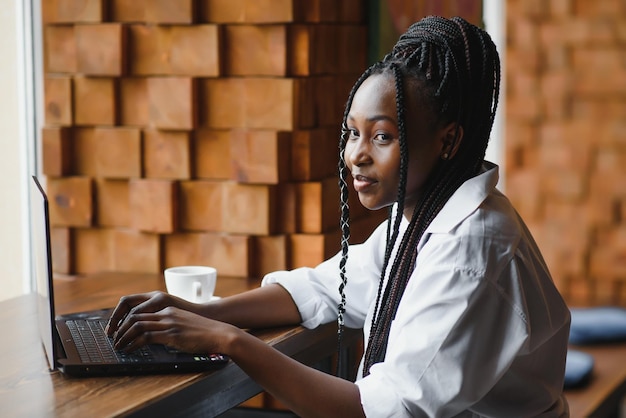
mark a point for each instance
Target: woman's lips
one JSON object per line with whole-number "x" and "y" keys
{"x": 362, "y": 183}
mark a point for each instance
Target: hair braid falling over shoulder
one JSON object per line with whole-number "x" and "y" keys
{"x": 344, "y": 222}
{"x": 453, "y": 68}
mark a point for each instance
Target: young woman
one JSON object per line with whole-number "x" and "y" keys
{"x": 460, "y": 315}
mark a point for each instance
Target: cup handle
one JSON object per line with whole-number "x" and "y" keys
{"x": 197, "y": 291}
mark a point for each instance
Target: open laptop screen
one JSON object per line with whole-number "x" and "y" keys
{"x": 56, "y": 331}
{"x": 42, "y": 268}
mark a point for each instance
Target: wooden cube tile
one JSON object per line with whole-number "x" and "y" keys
{"x": 212, "y": 154}
{"x": 167, "y": 154}
{"x": 343, "y": 84}
{"x": 194, "y": 50}
{"x": 61, "y": 246}
{"x": 260, "y": 156}
{"x": 112, "y": 203}
{"x": 305, "y": 112}
{"x": 95, "y": 101}
{"x": 100, "y": 49}
{"x": 271, "y": 253}
{"x": 222, "y": 11}
{"x": 133, "y": 103}
{"x": 169, "y": 11}
{"x": 309, "y": 250}
{"x": 172, "y": 102}
{"x": 330, "y": 97}
{"x": 127, "y": 11}
{"x": 247, "y": 11}
{"x": 315, "y": 154}
{"x": 175, "y": 50}
{"x": 49, "y": 12}
{"x": 57, "y": 151}
{"x": 271, "y": 11}
{"x": 606, "y": 264}
{"x": 93, "y": 250}
{"x": 147, "y": 50}
{"x": 317, "y": 206}
{"x": 286, "y": 208}
{"x": 153, "y": 205}
{"x": 301, "y": 59}
{"x": 259, "y": 50}
{"x": 606, "y": 292}
{"x": 320, "y": 10}
{"x": 59, "y": 49}
{"x": 153, "y": 11}
{"x": 84, "y": 151}
{"x": 71, "y": 201}
{"x": 579, "y": 291}
{"x": 229, "y": 254}
{"x": 201, "y": 205}
{"x": 269, "y": 103}
{"x": 118, "y": 152}
{"x": 58, "y": 100}
{"x": 351, "y": 42}
{"x": 353, "y": 11}
{"x": 249, "y": 209}
{"x": 278, "y": 103}
{"x": 136, "y": 252}
{"x": 222, "y": 103}
{"x": 327, "y": 50}
{"x": 72, "y": 11}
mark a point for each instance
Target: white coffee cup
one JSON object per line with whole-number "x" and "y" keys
{"x": 193, "y": 283}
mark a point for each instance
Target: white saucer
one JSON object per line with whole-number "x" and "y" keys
{"x": 213, "y": 298}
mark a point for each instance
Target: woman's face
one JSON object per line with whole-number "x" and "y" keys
{"x": 372, "y": 152}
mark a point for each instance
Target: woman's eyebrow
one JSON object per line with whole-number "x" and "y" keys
{"x": 375, "y": 118}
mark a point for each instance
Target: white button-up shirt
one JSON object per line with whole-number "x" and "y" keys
{"x": 481, "y": 329}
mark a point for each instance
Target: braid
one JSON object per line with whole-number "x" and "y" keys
{"x": 404, "y": 163}
{"x": 345, "y": 219}
{"x": 454, "y": 69}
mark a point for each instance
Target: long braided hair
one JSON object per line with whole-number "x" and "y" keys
{"x": 453, "y": 69}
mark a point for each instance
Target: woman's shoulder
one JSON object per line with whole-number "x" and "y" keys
{"x": 490, "y": 235}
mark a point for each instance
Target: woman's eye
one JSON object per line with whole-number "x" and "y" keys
{"x": 353, "y": 133}
{"x": 382, "y": 137}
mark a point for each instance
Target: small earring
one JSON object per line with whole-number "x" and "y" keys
{"x": 444, "y": 156}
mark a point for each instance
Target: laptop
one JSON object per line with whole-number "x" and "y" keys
{"x": 76, "y": 343}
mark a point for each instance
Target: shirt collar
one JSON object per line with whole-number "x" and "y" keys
{"x": 465, "y": 200}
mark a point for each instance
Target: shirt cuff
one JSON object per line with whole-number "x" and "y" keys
{"x": 297, "y": 284}
{"x": 379, "y": 399}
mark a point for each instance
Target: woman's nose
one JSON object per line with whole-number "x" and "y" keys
{"x": 357, "y": 152}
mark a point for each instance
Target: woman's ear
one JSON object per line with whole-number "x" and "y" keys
{"x": 452, "y": 137}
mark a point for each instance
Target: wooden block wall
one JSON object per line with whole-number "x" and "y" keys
{"x": 566, "y": 140}
{"x": 197, "y": 131}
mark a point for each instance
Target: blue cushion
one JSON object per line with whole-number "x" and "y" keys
{"x": 598, "y": 325}
{"x": 578, "y": 369}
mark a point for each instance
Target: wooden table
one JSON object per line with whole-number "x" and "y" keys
{"x": 603, "y": 396}
{"x": 29, "y": 389}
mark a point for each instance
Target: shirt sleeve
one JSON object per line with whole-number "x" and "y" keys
{"x": 315, "y": 291}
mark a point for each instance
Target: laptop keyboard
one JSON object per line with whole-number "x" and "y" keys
{"x": 94, "y": 346}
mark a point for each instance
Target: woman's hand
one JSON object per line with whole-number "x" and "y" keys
{"x": 174, "y": 327}
{"x": 142, "y": 302}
